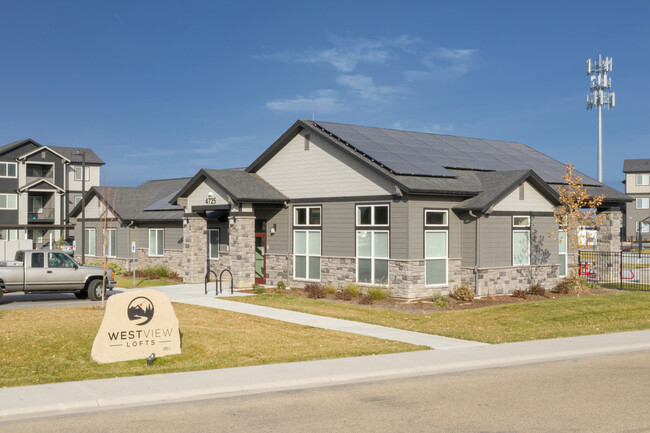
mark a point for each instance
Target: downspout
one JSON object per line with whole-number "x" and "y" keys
{"x": 476, "y": 250}
{"x": 289, "y": 236}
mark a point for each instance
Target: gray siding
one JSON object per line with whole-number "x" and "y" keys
{"x": 468, "y": 242}
{"x": 223, "y": 232}
{"x": 544, "y": 249}
{"x": 338, "y": 236}
{"x": 416, "y": 207}
{"x": 277, "y": 243}
{"x": 495, "y": 243}
{"x": 399, "y": 229}
{"x": 173, "y": 235}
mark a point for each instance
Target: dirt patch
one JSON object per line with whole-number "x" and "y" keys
{"x": 424, "y": 306}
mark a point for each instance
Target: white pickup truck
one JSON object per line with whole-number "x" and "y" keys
{"x": 40, "y": 271}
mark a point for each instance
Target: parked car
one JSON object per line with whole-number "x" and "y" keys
{"x": 44, "y": 270}
{"x": 64, "y": 246}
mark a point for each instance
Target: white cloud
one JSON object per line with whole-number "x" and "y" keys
{"x": 321, "y": 101}
{"x": 365, "y": 87}
{"x": 217, "y": 146}
{"x": 444, "y": 63}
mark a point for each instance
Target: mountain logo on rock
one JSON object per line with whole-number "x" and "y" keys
{"x": 140, "y": 310}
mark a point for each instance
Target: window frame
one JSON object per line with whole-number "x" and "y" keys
{"x": 307, "y": 255}
{"x": 210, "y": 243}
{"x": 7, "y": 196}
{"x": 111, "y": 244}
{"x": 565, "y": 253}
{"x": 643, "y": 225}
{"x": 78, "y": 178}
{"x": 307, "y": 216}
{"x": 157, "y": 242}
{"x": 372, "y": 257}
{"x": 642, "y": 200}
{"x": 7, "y": 164}
{"x": 513, "y": 248}
{"x": 88, "y": 237}
{"x": 357, "y": 215}
{"x": 519, "y": 226}
{"x": 7, "y": 234}
{"x": 642, "y": 176}
{"x": 446, "y": 258}
{"x": 443, "y": 211}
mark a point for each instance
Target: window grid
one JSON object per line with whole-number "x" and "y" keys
{"x": 8, "y": 169}
{"x": 562, "y": 246}
{"x": 213, "y": 243}
{"x": 643, "y": 203}
{"x": 378, "y": 270}
{"x": 77, "y": 173}
{"x": 90, "y": 242}
{"x": 430, "y": 216}
{"x": 431, "y": 258}
{"x": 111, "y": 238}
{"x": 376, "y": 215}
{"x": 643, "y": 179}
{"x": 8, "y": 201}
{"x": 306, "y": 260}
{"x": 156, "y": 242}
{"x": 307, "y": 216}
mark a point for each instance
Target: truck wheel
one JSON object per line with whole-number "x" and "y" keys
{"x": 81, "y": 294}
{"x": 95, "y": 290}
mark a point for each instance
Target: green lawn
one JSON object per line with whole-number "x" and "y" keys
{"x": 53, "y": 344}
{"x": 565, "y": 317}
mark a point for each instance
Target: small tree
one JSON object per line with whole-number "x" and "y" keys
{"x": 577, "y": 210}
{"x": 105, "y": 204}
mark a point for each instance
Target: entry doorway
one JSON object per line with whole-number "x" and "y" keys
{"x": 260, "y": 252}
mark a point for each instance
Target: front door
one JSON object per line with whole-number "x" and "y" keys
{"x": 260, "y": 258}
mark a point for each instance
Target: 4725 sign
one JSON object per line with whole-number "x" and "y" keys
{"x": 210, "y": 200}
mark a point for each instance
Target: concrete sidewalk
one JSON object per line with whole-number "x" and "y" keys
{"x": 195, "y": 294}
{"x": 113, "y": 393}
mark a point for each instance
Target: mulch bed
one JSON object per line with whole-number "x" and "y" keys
{"x": 429, "y": 306}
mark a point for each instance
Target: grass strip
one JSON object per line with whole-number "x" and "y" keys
{"x": 53, "y": 344}
{"x": 553, "y": 318}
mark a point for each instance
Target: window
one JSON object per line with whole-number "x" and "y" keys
{"x": 372, "y": 215}
{"x": 89, "y": 241}
{"x": 435, "y": 218}
{"x": 156, "y": 242}
{"x": 435, "y": 256}
{"x": 520, "y": 240}
{"x": 77, "y": 199}
{"x": 8, "y": 201}
{"x": 643, "y": 203}
{"x": 35, "y": 204}
{"x": 7, "y": 169}
{"x": 643, "y": 179}
{"x": 213, "y": 243}
{"x": 59, "y": 260}
{"x": 111, "y": 238}
{"x": 642, "y": 227}
{"x": 306, "y": 254}
{"x": 372, "y": 257}
{"x": 9, "y": 235}
{"x": 77, "y": 173}
{"x": 562, "y": 252}
{"x": 307, "y": 216}
{"x": 37, "y": 260}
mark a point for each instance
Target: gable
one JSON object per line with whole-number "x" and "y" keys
{"x": 321, "y": 171}
{"x": 207, "y": 193}
{"x": 533, "y": 201}
{"x": 15, "y": 152}
{"x": 95, "y": 209}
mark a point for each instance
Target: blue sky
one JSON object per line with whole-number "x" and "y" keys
{"x": 162, "y": 89}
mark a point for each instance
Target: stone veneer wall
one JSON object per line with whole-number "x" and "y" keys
{"x": 503, "y": 280}
{"x": 242, "y": 250}
{"x": 277, "y": 269}
{"x": 609, "y": 233}
{"x": 194, "y": 250}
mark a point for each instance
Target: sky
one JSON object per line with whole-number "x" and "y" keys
{"x": 161, "y": 89}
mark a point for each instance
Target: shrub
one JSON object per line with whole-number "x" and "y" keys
{"x": 564, "y": 286}
{"x": 95, "y": 263}
{"x": 330, "y": 289}
{"x": 536, "y": 289}
{"x": 441, "y": 301}
{"x": 463, "y": 293}
{"x": 119, "y": 270}
{"x": 519, "y": 293}
{"x": 315, "y": 290}
{"x": 281, "y": 285}
{"x": 365, "y": 300}
{"x": 344, "y": 295}
{"x": 352, "y": 289}
{"x": 377, "y": 293}
{"x": 258, "y": 290}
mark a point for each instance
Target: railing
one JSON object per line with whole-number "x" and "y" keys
{"x": 46, "y": 213}
{"x": 622, "y": 270}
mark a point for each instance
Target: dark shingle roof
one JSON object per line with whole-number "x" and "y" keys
{"x": 636, "y": 166}
{"x": 91, "y": 156}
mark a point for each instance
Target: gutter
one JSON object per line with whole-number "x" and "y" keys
{"x": 476, "y": 250}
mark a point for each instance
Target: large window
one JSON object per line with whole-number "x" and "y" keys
{"x": 111, "y": 242}
{"x": 77, "y": 173}
{"x": 213, "y": 243}
{"x": 89, "y": 241}
{"x": 307, "y": 216}
{"x": 156, "y": 242}
{"x": 520, "y": 240}
{"x": 8, "y": 235}
{"x": 7, "y": 169}
{"x": 372, "y": 215}
{"x": 8, "y": 201}
{"x": 372, "y": 257}
{"x": 306, "y": 254}
{"x": 562, "y": 253}
{"x": 643, "y": 203}
{"x": 643, "y": 179}
{"x": 436, "y": 243}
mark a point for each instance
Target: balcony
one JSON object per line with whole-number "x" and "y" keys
{"x": 45, "y": 214}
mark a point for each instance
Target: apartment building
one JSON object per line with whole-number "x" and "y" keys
{"x": 637, "y": 185}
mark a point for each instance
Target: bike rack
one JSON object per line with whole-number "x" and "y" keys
{"x": 207, "y": 279}
{"x": 232, "y": 282}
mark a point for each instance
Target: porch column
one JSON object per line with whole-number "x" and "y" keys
{"x": 194, "y": 249}
{"x": 609, "y": 233}
{"x": 241, "y": 235}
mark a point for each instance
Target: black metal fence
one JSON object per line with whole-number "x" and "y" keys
{"x": 625, "y": 271}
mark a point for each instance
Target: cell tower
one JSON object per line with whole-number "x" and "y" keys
{"x": 600, "y": 95}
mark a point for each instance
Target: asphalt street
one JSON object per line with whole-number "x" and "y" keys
{"x": 595, "y": 394}
{"x": 20, "y": 300}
